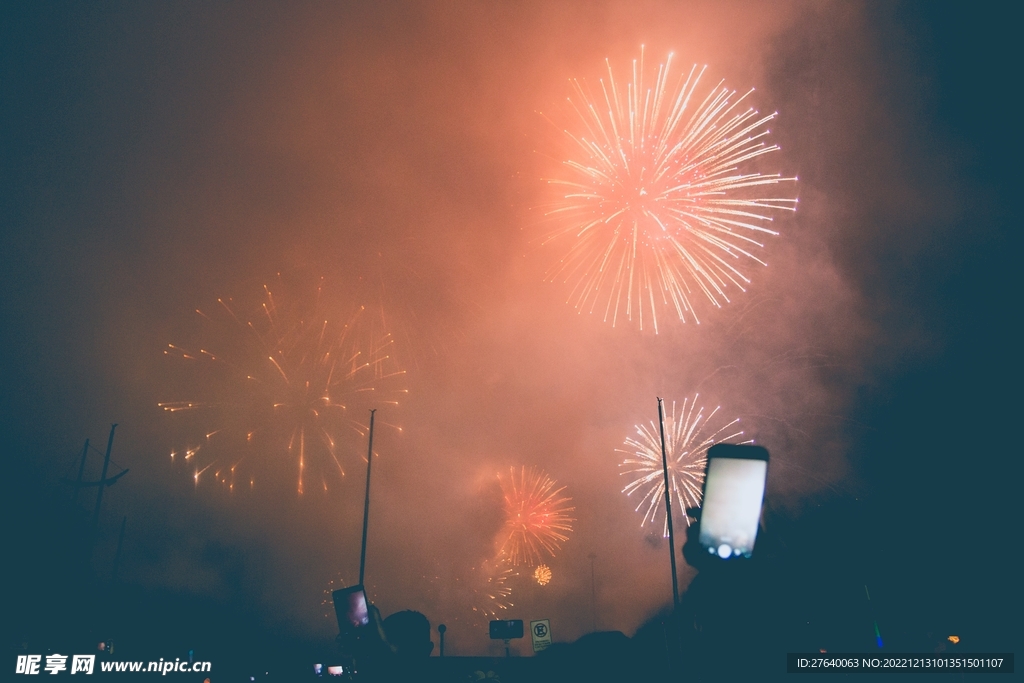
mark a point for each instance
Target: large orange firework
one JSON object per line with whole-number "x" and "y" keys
{"x": 279, "y": 383}
{"x": 662, "y": 201}
{"x": 537, "y": 517}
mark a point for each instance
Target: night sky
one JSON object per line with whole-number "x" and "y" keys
{"x": 156, "y": 157}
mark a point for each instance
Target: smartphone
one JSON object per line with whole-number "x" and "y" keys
{"x": 350, "y": 607}
{"x": 733, "y": 493}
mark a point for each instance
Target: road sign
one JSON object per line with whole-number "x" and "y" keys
{"x": 540, "y": 631}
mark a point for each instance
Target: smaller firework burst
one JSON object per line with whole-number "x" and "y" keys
{"x": 542, "y": 575}
{"x": 485, "y": 589}
{"x": 282, "y": 384}
{"x": 688, "y": 437}
{"x": 327, "y": 601}
{"x": 492, "y": 591}
{"x": 537, "y": 517}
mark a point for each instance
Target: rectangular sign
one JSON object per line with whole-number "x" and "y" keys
{"x": 506, "y": 629}
{"x": 540, "y": 632}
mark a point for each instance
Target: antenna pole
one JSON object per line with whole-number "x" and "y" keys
{"x": 366, "y": 502}
{"x": 668, "y": 506}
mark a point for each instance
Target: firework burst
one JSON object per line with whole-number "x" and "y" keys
{"x": 475, "y": 594}
{"x": 327, "y": 597}
{"x": 490, "y": 590}
{"x": 688, "y": 437}
{"x": 662, "y": 203}
{"x": 282, "y": 384}
{"x": 542, "y": 575}
{"x": 537, "y": 517}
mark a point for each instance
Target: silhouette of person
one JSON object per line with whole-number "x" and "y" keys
{"x": 725, "y": 616}
{"x": 408, "y": 634}
{"x": 365, "y": 648}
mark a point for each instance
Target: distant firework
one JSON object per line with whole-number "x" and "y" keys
{"x": 537, "y": 517}
{"x": 484, "y": 589}
{"x": 542, "y": 575}
{"x": 281, "y": 382}
{"x": 662, "y": 201}
{"x": 687, "y": 439}
{"x": 491, "y": 592}
{"x": 327, "y": 601}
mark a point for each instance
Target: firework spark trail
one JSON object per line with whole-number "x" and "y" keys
{"x": 288, "y": 378}
{"x": 687, "y": 439}
{"x": 483, "y": 590}
{"x": 663, "y": 203}
{"x": 537, "y": 517}
{"x": 327, "y": 598}
{"x": 494, "y": 593}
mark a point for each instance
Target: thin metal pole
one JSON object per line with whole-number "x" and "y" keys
{"x": 668, "y": 506}
{"x": 81, "y": 470}
{"x": 593, "y": 593}
{"x": 366, "y": 502}
{"x": 103, "y": 480}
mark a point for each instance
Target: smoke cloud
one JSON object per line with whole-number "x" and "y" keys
{"x": 398, "y": 151}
